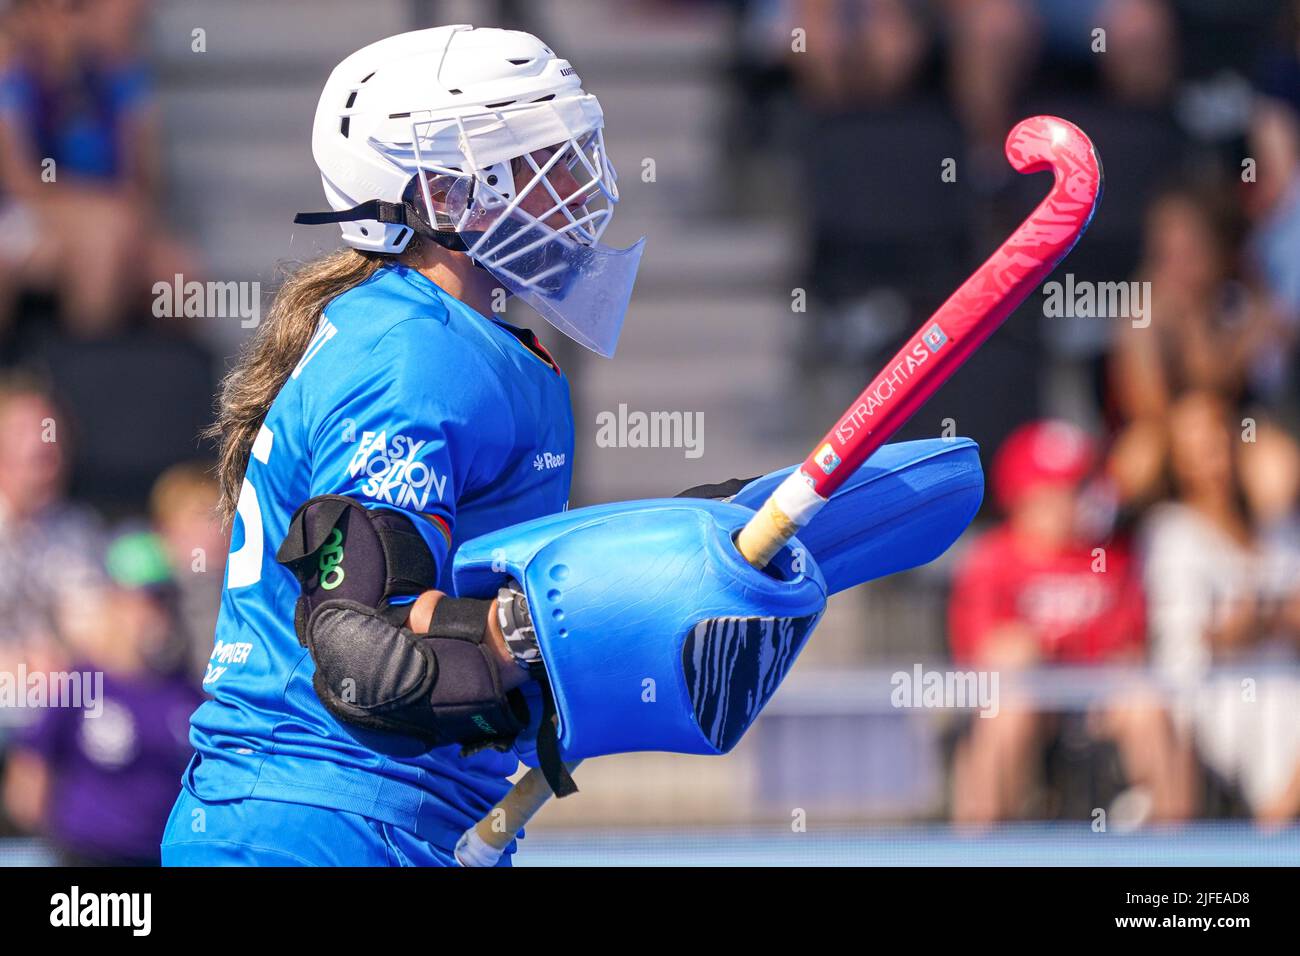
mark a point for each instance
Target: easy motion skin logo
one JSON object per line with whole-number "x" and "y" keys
{"x": 392, "y": 471}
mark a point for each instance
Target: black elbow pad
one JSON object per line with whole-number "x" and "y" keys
{"x": 442, "y": 687}
{"x": 340, "y": 550}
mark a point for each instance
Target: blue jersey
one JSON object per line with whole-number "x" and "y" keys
{"x": 405, "y": 399}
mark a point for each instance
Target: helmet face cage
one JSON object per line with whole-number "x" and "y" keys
{"x": 590, "y": 205}
{"x": 533, "y": 219}
{"x": 476, "y": 198}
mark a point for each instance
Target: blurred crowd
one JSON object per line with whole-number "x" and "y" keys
{"x": 1143, "y": 467}
{"x": 111, "y": 559}
{"x": 1143, "y": 477}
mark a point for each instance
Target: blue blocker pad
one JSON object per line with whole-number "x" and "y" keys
{"x": 902, "y": 508}
{"x": 655, "y": 632}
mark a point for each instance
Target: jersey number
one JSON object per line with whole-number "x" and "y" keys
{"x": 244, "y": 567}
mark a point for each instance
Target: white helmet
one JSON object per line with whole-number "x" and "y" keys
{"x": 447, "y": 116}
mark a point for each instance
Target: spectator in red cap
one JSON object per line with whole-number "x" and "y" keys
{"x": 1033, "y": 589}
{"x": 1037, "y": 590}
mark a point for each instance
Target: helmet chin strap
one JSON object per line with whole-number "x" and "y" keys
{"x": 391, "y": 213}
{"x": 405, "y": 213}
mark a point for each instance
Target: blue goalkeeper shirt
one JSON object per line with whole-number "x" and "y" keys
{"x": 405, "y": 399}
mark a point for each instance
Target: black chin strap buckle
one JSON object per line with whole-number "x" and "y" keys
{"x": 389, "y": 213}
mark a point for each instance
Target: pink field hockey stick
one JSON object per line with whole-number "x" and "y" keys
{"x": 951, "y": 335}
{"x": 939, "y": 347}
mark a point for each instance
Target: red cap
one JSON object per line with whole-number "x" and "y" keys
{"x": 1050, "y": 452}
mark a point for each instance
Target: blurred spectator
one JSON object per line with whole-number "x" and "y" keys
{"x": 50, "y": 549}
{"x": 1036, "y": 591}
{"x": 1140, "y": 64}
{"x": 1277, "y": 75}
{"x": 861, "y": 52}
{"x": 994, "y": 49}
{"x": 1273, "y": 203}
{"x": 1137, "y": 469}
{"x": 1003, "y": 52}
{"x": 1271, "y": 481}
{"x": 79, "y": 162}
{"x": 1207, "y": 326}
{"x": 1270, "y": 478}
{"x": 183, "y": 510}
{"x": 101, "y": 786}
{"x": 81, "y": 231}
{"x": 871, "y": 131}
{"x": 1125, "y": 102}
{"x": 1220, "y": 595}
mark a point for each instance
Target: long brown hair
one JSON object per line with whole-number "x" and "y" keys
{"x": 266, "y": 362}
